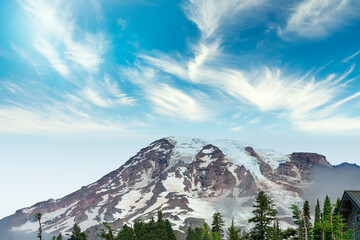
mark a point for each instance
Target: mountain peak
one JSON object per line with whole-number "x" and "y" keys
{"x": 187, "y": 178}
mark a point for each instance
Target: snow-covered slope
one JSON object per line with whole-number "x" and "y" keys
{"x": 188, "y": 179}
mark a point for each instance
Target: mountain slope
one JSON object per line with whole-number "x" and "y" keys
{"x": 188, "y": 179}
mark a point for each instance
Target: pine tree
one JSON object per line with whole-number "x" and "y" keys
{"x": 206, "y": 233}
{"x": 337, "y": 206}
{"x": 141, "y": 230}
{"x": 160, "y": 232}
{"x": 107, "y": 233}
{"x": 327, "y": 219}
{"x": 317, "y": 232}
{"x": 233, "y": 233}
{"x": 77, "y": 234}
{"x": 299, "y": 221}
{"x": 169, "y": 230}
{"x": 265, "y": 213}
{"x": 307, "y": 218}
{"x": 126, "y": 233}
{"x": 217, "y": 224}
{"x": 38, "y": 218}
{"x": 193, "y": 234}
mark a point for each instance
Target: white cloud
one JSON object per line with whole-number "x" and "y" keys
{"x": 106, "y": 94}
{"x": 255, "y": 120}
{"x": 236, "y": 129}
{"x": 31, "y": 121}
{"x": 351, "y": 57}
{"x": 175, "y": 103}
{"x": 55, "y": 28}
{"x": 334, "y": 124}
{"x": 53, "y": 56}
{"x": 319, "y": 18}
{"x": 297, "y": 98}
{"x": 208, "y": 15}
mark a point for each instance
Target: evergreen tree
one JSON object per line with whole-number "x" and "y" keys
{"x": 307, "y": 218}
{"x": 141, "y": 230}
{"x": 77, "y": 234}
{"x": 169, "y": 230}
{"x": 275, "y": 232}
{"x": 126, "y": 233}
{"x": 299, "y": 221}
{"x": 317, "y": 231}
{"x": 160, "y": 232}
{"x": 206, "y": 233}
{"x": 327, "y": 220}
{"x": 38, "y": 218}
{"x": 217, "y": 224}
{"x": 233, "y": 233}
{"x": 264, "y": 215}
{"x": 58, "y": 237}
{"x": 107, "y": 233}
{"x": 193, "y": 234}
{"x": 337, "y": 206}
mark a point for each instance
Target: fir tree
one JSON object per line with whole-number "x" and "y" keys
{"x": 141, "y": 230}
{"x": 58, "y": 237}
{"x": 160, "y": 227}
{"x": 317, "y": 231}
{"x": 327, "y": 220}
{"x": 38, "y": 218}
{"x": 337, "y": 206}
{"x": 233, "y": 233}
{"x": 169, "y": 230}
{"x": 307, "y": 218}
{"x": 217, "y": 224}
{"x": 107, "y": 233}
{"x": 206, "y": 233}
{"x": 299, "y": 221}
{"x": 265, "y": 213}
{"x": 126, "y": 233}
{"x": 77, "y": 234}
{"x": 193, "y": 234}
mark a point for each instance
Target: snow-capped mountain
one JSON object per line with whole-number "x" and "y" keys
{"x": 188, "y": 179}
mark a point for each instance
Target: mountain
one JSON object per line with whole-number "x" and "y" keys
{"x": 188, "y": 179}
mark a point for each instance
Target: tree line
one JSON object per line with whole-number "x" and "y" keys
{"x": 328, "y": 224}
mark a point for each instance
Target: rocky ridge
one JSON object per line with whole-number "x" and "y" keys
{"x": 188, "y": 179}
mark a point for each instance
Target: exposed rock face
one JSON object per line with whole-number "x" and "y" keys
{"x": 188, "y": 179}
{"x": 302, "y": 163}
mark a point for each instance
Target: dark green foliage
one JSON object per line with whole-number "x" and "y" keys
{"x": 159, "y": 230}
{"x": 299, "y": 221}
{"x": 126, "y": 233}
{"x": 233, "y": 233}
{"x": 193, "y": 234}
{"x": 337, "y": 206}
{"x": 107, "y": 233}
{"x": 264, "y": 215}
{"x": 169, "y": 231}
{"x": 327, "y": 219}
{"x": 77, "y": 234}
{"x": 217, "y": 224}
{"x": 38, "y": 218}
{"x": 58, "y": 237}
{"x": 317, "y": 230}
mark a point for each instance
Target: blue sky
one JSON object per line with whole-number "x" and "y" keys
{"x": 85, "y": 84}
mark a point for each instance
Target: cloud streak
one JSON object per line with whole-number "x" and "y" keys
{"x": 297, "y": 98}
{"x": 319, "y": 18}
{"x": 56, "y": 32}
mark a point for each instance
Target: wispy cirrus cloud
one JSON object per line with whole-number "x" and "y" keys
{"x": 60, "y": 40}
{"x": 319, "y": 18}
{"x": 209, "y": 15}
{"x": 175, "y": 103}
{"x": 303, "y": 100}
